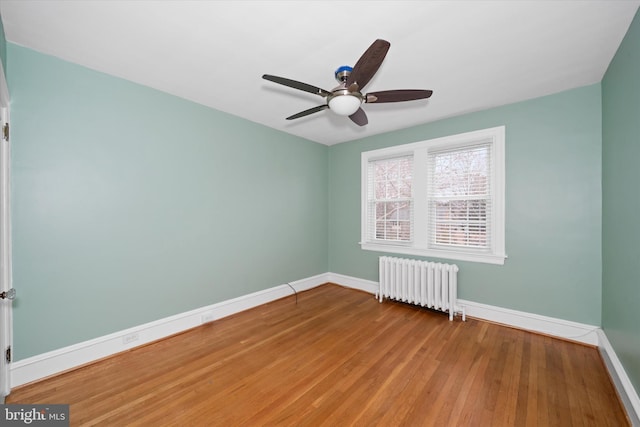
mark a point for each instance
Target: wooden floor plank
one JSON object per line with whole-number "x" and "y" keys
{"x": 338, "y": 357}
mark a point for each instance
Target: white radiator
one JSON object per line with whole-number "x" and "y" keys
{"x": 428, "y": 284}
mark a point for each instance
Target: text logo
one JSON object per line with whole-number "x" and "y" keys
{"x": 34, "y": 415}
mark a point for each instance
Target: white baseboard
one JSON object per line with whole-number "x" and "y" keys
{"x": 60, "y": 360}
{"x": 627, "y": 392}
{"x": 353, "y": 282}
{"x": 560, "y": 328}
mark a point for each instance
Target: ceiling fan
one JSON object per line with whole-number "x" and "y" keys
{"x": 346, "y": 99}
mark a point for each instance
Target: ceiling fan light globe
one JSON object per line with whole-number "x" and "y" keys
{"x": 344, "y": 105}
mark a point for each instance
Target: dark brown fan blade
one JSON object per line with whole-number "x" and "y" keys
{"x": 359, "y": 117}
{"x": 296, "y": 85}
{"x": 397, "y": 95}
{"x": 368, "y": 63}
{"x": 307, "y": 112}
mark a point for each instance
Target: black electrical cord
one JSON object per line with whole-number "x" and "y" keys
{"x": 294, "y": 291}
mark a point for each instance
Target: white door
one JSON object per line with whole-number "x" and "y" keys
{"x": 6, "y": 290}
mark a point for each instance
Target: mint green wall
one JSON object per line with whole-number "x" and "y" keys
{"x": 553, "y": 206}
{"x": 130, "y": 205}
{"x": 621, "y": 203}
{"x": 3, "y": 48}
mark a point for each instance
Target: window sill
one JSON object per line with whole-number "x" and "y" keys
{"x": 459, "y": 256}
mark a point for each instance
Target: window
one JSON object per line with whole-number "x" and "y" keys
{"x": 459, "y": 197}
{"x": 439, "y": 198}
{"x": 390, "y": 198}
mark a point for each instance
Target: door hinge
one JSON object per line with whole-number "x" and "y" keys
{"x": 7, "y": 355}
{"x": 5, "y": 132}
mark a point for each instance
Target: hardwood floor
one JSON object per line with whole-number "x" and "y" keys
{"x": 338, "y": 358}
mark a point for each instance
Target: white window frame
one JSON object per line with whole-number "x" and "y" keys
{"x": 420, "y": 150}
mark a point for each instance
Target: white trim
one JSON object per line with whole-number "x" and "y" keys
{"x": 368, "y": 286}
{"x": 434, "y": 253}
{"x": 621, "y": 380}
{"x": 559, "y": 328}
{"x": 56, "y": 361}
{"x": 6, "y": 282}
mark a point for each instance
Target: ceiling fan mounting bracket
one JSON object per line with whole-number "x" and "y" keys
{"x": 343, "y": 73}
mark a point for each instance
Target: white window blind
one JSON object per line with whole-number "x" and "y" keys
{"x": 460, "y": 198}
{"x": 390, "y": 202}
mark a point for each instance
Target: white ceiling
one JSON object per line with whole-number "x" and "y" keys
{"x": 474, "y": 55}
